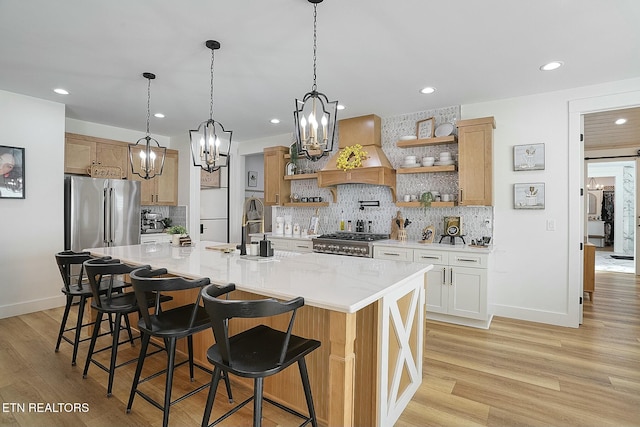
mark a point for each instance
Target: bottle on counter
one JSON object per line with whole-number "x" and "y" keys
{"x": 342, "y": 221}
{"x": 370, "y": 226}
{"x": 349, "y": 225}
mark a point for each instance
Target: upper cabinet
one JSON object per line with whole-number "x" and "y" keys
{"x": 81, "y": 152}
{"x": 276, "y": 189}
{"x": 475, "y": 161}
{"x": 163, "y": 189}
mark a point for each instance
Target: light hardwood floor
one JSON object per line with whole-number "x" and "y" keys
{"x": 515, "y": 374}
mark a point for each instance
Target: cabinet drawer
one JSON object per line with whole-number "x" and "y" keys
{"x": 427, "y": 256}
{"x": 280, "y": 245}
{"x": 398, "y": 254}
{"x": 468, "y": 260}
{"x": 301, "y": 246}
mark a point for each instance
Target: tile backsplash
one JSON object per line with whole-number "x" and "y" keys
{"x": 178, "y": 214}
{"x": 349, "y": 195}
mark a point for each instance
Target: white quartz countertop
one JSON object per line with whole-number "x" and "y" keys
{"x": 333, "y": 282}
{"x": 433, "y": 246}
{"x": 282, "y": 236}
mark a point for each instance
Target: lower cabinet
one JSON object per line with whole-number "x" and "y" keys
{"x": 457, "y": 286}
{"x": 287, "y": 243}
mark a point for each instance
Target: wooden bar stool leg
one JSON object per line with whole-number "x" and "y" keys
{"x": 136, "y": 377}
{"x": 114, "y": 352}
{"x": 92, "y": 345}
{"x": 302, "y": 364}
{"x": 215, "y": 380}
{"x": 65, "y": 316}
{"x": 257, "y": 402}
{"x": 76, "y": 340}
{"x": 167, "y": 391}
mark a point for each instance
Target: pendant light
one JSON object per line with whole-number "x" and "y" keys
{"x": 148, "y": 155}
{"x": 593, "y": 184}
{"x": 210, "y": 143}
{"x": 315, "y": 115}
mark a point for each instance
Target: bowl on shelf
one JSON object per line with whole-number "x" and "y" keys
{"x": 408, "y": 137}
{"x": 428, "y": 161}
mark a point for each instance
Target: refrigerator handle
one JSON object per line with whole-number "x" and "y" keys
{"x": 111, "y": 214}
{"x": 105, "y": 213}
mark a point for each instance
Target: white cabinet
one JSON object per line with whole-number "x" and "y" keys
{"x": 457, "y": 286}
{"x": 292, "y": 244}
{"x": 155, "y": 238}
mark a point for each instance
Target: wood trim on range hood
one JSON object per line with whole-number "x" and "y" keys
{"x": 376, "y": 168}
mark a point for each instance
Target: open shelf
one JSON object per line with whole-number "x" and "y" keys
{"x": 301, "y": 176}
{"x": 433, "y": 204}
{"x": 423, "y": 169}
{"x": 426, "y": 141}
{"x": 307, "y": 204}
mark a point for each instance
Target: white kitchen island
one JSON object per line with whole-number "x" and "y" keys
{"x": 368, "y": 314}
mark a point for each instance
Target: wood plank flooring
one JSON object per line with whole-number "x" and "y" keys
{"x": 515, "y": 374}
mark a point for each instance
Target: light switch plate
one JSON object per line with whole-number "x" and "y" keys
{"x": 551, "y": 225}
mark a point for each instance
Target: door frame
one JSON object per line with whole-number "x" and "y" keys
{"x": 577, "y": 108}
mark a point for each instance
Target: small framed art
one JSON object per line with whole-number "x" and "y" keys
{"x": 252, "y": 179}
{"x": 11, "y": 172}
{"x": 528, "y": 196}
{"x": 528, "y": 157}
{"x": 424, "y": 128}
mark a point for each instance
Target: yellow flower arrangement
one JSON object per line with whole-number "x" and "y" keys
{"x": 351, "y": 157}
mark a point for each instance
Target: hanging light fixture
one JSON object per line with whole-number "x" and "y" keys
{"x": 210, "y": 143}
{"x": 593, "y": 184}
{"x": 315, "y": 115}
{"x": 147, "y": 154}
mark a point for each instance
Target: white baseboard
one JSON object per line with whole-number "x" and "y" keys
{"x": 463, "y": 321}
{"x": 520, "y": 313}
{"x": 31, "y": 306}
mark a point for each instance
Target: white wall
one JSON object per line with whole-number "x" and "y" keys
{"x": 537, "y": 272}
{"x": 111, "y": 132}
{"x": 32, "y": 229}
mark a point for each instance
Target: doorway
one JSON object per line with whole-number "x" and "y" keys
{"x": 611, "y": 193}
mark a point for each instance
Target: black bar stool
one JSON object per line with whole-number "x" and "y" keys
{"x": 76, "y": 286}
{"x": 170, "y": 325}
{"x": 256, "y": 353}
{"x": 104, "y": 271}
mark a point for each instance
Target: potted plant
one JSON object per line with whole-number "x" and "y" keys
{"x": 177, "y": 231}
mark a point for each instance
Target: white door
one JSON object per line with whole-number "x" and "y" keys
{"x": 468, "y": 292}
{"x": 214, "y": 211}
{"x": 437, "y": 289}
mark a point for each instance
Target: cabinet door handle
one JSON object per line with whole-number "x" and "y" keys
{"x": 444, "y": 275}
{"x": 429, "y": 257}
{"x": 460, "y": 200}
{"x": 451, "y": 277}
{"x": 391, "y": 253}
{"x": 466, "y": 260}
{"x": 277, "y": 199}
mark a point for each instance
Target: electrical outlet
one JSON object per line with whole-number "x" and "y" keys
{"x": 487, "y": 222}
{"x": 551, "y": 225}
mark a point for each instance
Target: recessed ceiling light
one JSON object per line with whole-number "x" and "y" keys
{"x": 553, "y": 65}
{"x": 61, "y": 91}
{"x": 159, "y": 115}
{"x": 341, "y": 107}
{"x": 275, "y": 121}
{"x": 621, "y": 121}
{"x": 428, "y": 90}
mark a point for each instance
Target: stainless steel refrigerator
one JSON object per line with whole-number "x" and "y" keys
{"x": 100, "y": 212}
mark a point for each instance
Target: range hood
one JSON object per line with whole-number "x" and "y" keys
{"x": 375, "y": 170}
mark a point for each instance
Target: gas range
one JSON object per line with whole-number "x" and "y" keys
{"x": 347, "y": 243}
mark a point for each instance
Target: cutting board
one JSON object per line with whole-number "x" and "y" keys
{"x": 229, "y": 247}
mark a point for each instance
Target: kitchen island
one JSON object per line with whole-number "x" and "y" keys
{"x": 368, "y": 314}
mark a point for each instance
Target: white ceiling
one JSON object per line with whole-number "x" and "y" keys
{"x": 373, "y": 55}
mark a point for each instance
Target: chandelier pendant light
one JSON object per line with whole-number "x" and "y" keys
{"x": 315, "y": 116}
{"x": 593, "y": 184}
{"x": 210, "y": 143}
{"x": 149, "y": 156}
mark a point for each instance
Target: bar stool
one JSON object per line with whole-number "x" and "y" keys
{"x": 120, "y": 305}
{"x": 169, "y": 325}
{"x": 76, "y": 286}
{"x": 256, "y": 353}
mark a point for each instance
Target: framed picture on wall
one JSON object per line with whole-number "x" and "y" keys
{"x": 210, "y": 179}
{"x": 528, "y": 157}
{"x": 252, "y": 179}
{"x": 528, "y": 196}
{"x": 11, "y": 172}
{"x": 424, "y": 128}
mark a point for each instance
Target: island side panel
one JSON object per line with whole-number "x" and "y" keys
{"x": 342, "y": 368}
{"x": 367, "y": 360}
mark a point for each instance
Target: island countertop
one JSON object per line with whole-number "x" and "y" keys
{"x": 340, "y": 283}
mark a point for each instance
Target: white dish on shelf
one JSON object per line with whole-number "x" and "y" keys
{"x": 408, "y": 137}
{"x": 444, "y": 129}
{"x": 445, "y": 163}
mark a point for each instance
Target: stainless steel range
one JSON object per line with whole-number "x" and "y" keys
{"x": 347, "y": 243}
